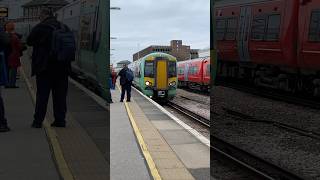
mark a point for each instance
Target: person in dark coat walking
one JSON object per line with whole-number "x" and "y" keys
{"x": 51, "y": 75}
{"x": 125, "y": 84}
{"x": 4, "y": 49}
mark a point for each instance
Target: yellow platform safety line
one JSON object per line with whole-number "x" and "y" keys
{"x": 152, "y": 166}
{"x": 63, "y": 168}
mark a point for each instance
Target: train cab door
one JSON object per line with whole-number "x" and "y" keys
{"x": 161, "y": 75}
{"x": 244, "y": 33}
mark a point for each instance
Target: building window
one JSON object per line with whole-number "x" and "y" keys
{"x": 314, "y": 29}
{"x": 258, "y": 27}
{"x": 220, "y": 29}
{"x": 273, "y": 29}
{"x": 231, "y": 29}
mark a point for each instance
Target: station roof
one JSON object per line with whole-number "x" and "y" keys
{"x": 46, "y": 2}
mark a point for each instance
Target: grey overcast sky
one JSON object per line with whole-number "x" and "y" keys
{"x": 141, "y": 23}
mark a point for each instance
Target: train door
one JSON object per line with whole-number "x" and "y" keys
{"x": 243, "y": 35}
{"x": 310, "y": 36}
{"x": 186, "y": 71}
{"x": 161, "y": 77}
{"x": 206, "y": 71}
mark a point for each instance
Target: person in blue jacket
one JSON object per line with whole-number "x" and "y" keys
{"x": 4, "y": 49}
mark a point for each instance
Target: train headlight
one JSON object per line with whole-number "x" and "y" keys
{"x": 173, "y": 83}
{"x": 148, "y": 83}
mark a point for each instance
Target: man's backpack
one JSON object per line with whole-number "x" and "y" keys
{"x": 63, "y": 44}
{"x": 4, "y": 40}
{"x": 129, "y": 75}
{"x": 3, "y": 70}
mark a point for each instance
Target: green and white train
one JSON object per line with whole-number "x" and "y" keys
{"x": 155, "y": 75}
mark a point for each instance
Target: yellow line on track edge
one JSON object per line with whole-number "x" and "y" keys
{"x": 152, "y": 166}
{"x": 61, "y": 163}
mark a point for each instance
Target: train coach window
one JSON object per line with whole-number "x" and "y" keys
{"x": 193, "y": 70}
{"x": 258, "y": 27}
{"x": 231, "y": 29}
{"x": 180, "y": 70}
{"x": 172, "y": 69}
{"x": 149, "y": 69}
{"x": 273, "y": 29}
{"x": 220, "y": 29}
{"x": 208, "y": 70}
{"x": 314, "y": 32}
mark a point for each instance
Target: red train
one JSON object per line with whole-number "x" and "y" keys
{"x": 271, "y": 43}
{"x": 194, "y": 73}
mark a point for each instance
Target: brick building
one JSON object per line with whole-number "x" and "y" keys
{"x": 176, "y": 49}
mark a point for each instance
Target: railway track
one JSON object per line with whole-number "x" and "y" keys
{"x": 248, "y": 118}
{"x": 275, "y": 95}
{"x": 192, "y": 115}
{"x": 197, "y": 91}
{"x": 251, "y": 163}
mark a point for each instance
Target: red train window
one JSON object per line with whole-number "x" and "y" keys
{"x": 180, "y": 70}
{"x": 266, "y": 27}
{"x": 258, "y": 27}
{"x": 231, "y": 29}
{"x": 314, "y": 29}
{"x": 273, "y": 29}
{"x": 220, "y": 29}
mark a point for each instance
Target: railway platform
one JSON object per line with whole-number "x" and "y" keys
{"x": 77, "y": 152}
{"x": 152, "y": 143}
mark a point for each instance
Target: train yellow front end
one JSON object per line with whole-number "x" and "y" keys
{"x": 156, "y": 76}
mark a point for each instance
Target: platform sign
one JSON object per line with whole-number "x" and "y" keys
{"x": 4, "y": 12}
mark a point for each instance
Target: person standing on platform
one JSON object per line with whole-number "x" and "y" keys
{"x": 14, "y": 56}
{"x": 110, "y": 87}
{"x": 51, "y": 64}
{"x": 126, "y": 78}
{"x": 4, "y": 48}
{"x": 114, "y": 78}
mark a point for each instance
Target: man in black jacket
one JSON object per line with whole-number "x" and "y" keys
{"x": 125, "y": 84}
{"x": 51, "y": 75}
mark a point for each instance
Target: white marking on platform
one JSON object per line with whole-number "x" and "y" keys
{"x": 95, "y": 97}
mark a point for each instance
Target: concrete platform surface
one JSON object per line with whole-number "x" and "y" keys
{"x": 25, "y": 152}
{"x": 80, "y": 149}
{"x": 126, "y": 159}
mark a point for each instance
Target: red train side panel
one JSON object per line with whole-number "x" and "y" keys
{"x": 195, "y": 72}
{"x": 275, "y": 47}
{"x": 258, "y": 32}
